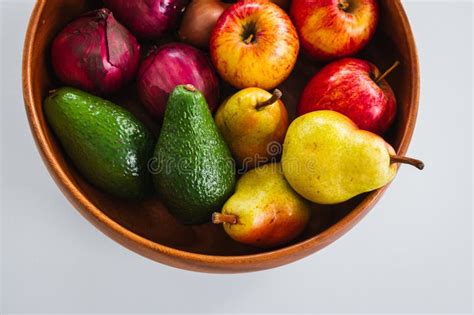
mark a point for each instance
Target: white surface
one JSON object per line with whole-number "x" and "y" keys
{"x": 412, "y": 253}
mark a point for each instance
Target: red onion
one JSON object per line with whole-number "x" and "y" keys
{"x": 95, "y": 53}
{"x": 171, "y": 65}
{"x": 147, "y": 18}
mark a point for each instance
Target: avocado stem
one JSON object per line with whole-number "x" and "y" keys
{"x": 386, "y": 73}
{"x": 190, "y": 87}
{"x": 406, "y": 160}
{"x": 276, "y": 95}
{"x": 219, "y": 218}
{"x": 249, "y": 39}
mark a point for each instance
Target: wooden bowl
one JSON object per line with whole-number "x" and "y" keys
{"x": 146, "y": 227}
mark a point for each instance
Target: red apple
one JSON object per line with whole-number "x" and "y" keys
{"x": 355, "y": 88}
{"x": 331, "y": 29}
{"x": 254, "y": 44}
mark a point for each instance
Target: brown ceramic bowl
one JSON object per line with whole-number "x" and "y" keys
{"x": 146, "y": 227}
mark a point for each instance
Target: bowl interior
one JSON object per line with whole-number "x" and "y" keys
{"x": 149, "y": 218}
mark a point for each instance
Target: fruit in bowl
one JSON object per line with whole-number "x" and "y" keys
{"x": 327, "y": 159}
{"x": 105, "y": 142}
{"x": 147, "y": 226}
{"x": 192, "y": 167}
{"x": 355, "y": 88}
{"x": 253, "y": 122}
{"x": 331, "y": 29}
{"x": 254, "y": 44}
{"x": 200, "y": 18}
{"x": 264, "y": 211}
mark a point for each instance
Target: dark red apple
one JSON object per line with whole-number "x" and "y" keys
{"x": 330, "y": 29}
{"x": 355, "y": 88}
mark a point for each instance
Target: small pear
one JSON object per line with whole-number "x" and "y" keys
{"x": 253, "y": 122}
{"x": 264, "y": 211}
{"x": 327, "y": 159}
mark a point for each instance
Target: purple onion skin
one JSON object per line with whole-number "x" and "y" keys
{"x": 171, "y": 65}
{"x": 148, "y": 19}
{"x": 95, "y": 53}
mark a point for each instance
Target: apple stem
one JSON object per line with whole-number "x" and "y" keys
{"x": 249, "y": 39}
{"x": 386, "y": 73}
{"x": 219, "y": 218}
{"x": 406, "y": 160}
{"x": 276, "y": 95}
{"x": 344, "y": 5}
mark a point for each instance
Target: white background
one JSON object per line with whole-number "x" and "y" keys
{"x": 412, "y": 253}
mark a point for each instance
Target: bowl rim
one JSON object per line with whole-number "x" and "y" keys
{"x": 181, "y": 258}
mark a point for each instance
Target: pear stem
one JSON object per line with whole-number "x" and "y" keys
{"x": 386, "y": 73}
{"x": 249, "y": 39}
{"x": 276, "y": 95}
{"x": 219, "y": 218}
{"x": 406, "y": 160}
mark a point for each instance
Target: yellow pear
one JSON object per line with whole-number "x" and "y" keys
{"x": 327, "y": 159}
{"x": 264, "y": 211}
{"x": 253, "y": 122}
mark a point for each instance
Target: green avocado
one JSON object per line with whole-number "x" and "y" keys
{"x": 106, "y": 143}
{"x": 194, "y": 173}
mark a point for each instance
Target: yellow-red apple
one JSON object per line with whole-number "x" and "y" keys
{"x": 201, "y": 16}
{"x": 254, "y": 44}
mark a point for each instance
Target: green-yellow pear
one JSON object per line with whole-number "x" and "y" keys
{"x": 327, "y": 159}
{"x": 264, "y": 211}
{"x": 253, "y": 122}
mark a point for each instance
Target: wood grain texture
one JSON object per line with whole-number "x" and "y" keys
{"x": 146, "y": 227}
